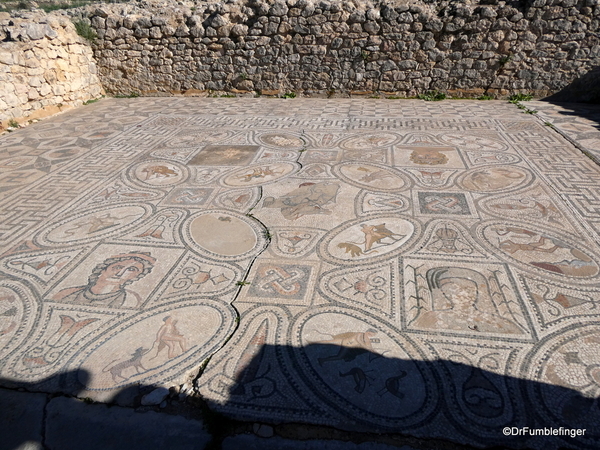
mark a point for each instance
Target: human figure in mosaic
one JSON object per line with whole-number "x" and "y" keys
{"x": 170, "y": 337}
{"x": 462, "y": 302}
{"x": 107, "y": 283}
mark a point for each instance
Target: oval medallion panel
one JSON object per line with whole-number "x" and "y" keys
{"x": 494, "y": 179}
{"x": 370, "y": 140}
{"x": 259, "y": 174}
{"x": 157, "y": 346}
{"x": 18, "y": 308}
{"x": 366, "y": 238}
{"x": 540, "y": 250}
{"x": 93, "y": 225}
{"x": 371, "y": 176}
{"x": 368, "y": 373}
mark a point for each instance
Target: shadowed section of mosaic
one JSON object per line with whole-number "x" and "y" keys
{"x": 347, "y": 379}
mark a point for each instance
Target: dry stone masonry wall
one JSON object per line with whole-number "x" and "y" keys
{"x": 402, "y": 48}
{"x": 44, "y": 66}
{"x": 332, "y": 46}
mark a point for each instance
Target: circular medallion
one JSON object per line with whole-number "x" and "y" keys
{"x": 282, "y": 140}
{"x": 159, "y": 173}
{"x": 17, "y": 311}
{"x": 224, "y": 235}
{"x": 562, "y": 377}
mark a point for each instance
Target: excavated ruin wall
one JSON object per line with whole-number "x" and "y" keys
{"x": 308, "y": 46}
{"x": 327, "y": 47}
{"x": 45, "y": 67}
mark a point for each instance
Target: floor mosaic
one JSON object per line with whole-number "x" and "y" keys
{"x": 430, "y": 269}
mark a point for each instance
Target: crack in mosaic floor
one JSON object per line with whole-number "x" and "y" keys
{"x": 407, "y": 267}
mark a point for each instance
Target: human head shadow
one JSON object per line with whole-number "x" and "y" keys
{"x": 22, "y": 404}
{"x": 583, "y": 89}
{"x": 74, "y": 383}
{"x": 45, "y": 414}
{"x": 581, "y": 99}
{"x": 355, "y": 388}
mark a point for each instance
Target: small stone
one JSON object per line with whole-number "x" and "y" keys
{"x": 155, "y": 397}
{"x": 35, "y": 31}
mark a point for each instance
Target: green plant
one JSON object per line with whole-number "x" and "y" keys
{"x": 364, "y": 55}
{"x": 132, "y": 95}
{"x": 485, "y": 97}
{"x": 47, "y": 7}
{"x": 432, "y": 96}
{"x": 504, "y": 59}
{"x": 242, "y": 283}
{"x": 244, "y": 76}
{"x": 393, "y": 97}
{"x": 548, "y": 124}
{"x": 374, "y": 96}
{"x": 85, "y": 30}
{"x": 227, "y": 96}
{"x": 12, "y": 123}
{"x": 516, "y": 98}
{"x": 93, "y": 100}
{"x": 289, "y": 95}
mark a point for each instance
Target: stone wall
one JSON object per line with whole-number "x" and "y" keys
{"x": 45, "y": 66}
{"x": 308, "y": 46}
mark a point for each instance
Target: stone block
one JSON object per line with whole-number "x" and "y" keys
{"x": 6, "y": 58}
{"x": 251, "y": 442}
{"x": 73, "y": 425}
{"x": 21, "y": 413}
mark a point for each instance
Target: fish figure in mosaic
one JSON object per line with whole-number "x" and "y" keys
{"x": 352, "y": 344}
{"x": 533, "y": 208}
{"x": 530, "y": 245}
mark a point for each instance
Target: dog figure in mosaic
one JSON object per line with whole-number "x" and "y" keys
{"x": 135, "y": 361}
